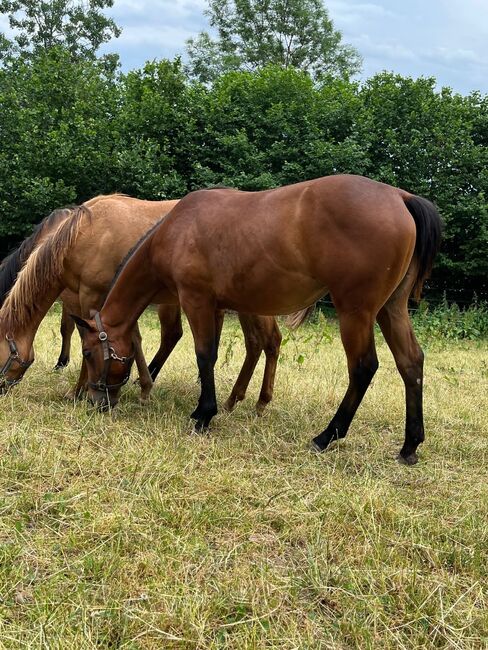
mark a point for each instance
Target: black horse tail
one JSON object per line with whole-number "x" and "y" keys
{"x": 429, "y": 234}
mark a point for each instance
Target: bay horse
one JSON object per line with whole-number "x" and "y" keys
{"x": 77, "y": 259}
{"x": 367, "y": 244}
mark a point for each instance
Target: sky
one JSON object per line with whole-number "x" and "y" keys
{"x": 446, "y": 39}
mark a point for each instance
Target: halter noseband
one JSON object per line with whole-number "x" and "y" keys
{"x": 109, "y": 354}
{"x": 14, "y": 357}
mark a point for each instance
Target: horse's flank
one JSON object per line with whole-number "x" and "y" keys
{"x": 42, "y": 269}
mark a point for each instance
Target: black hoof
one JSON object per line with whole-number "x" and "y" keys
{"x": 199, "y": 428}
{"x": 411, "y": 459}
{"x": 322, "y": 441}
{"x": 61, "y": 365}
{"x": 314, "y": 446}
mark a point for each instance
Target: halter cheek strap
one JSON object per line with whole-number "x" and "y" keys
{"x": 109, "y": 354}
{"x": 14, "y": 357}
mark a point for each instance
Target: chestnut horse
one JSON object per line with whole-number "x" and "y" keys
{"x": 77, "y": 257}
{"x": 368, "y": 244}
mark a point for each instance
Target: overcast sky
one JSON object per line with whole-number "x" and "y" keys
{"x": 447, "y": 39}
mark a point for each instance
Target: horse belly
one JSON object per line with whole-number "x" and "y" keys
{"x": 271, "y": 294}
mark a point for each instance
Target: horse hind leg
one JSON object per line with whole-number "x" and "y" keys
{"x": 395, "y": 324}
{"x": 260, "y": 333}
{"x": 271, "y": 346}
{"x": 358, "y": 341}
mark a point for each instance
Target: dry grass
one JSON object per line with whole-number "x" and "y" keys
{"x": 127, "y": 532}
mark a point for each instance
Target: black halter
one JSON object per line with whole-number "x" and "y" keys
{"x": 109, "y": 354}
{"x": 14, "y": 357}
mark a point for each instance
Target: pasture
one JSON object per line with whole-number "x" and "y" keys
{"x": 124, "y": 531}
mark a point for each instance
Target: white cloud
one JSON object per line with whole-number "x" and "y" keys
{"x": 167, "y": 36}
{"x": 390, "y": 50}
{"x": 355, "y": 13}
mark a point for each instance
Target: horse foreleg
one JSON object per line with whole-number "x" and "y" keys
{"x": 80, "y": 388}
{"x": 397, "y": 329}
{"x": 358, "y": 341}
{"x": 171, "y": 333}
{"x": 67, "y": 329}
{"x": 144, "y": 376}
{"x": 202, "y": 317}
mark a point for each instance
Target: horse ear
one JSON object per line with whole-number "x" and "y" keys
{"x": 82, "y": 323}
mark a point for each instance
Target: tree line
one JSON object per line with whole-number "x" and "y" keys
{"x": 73, "y": 126}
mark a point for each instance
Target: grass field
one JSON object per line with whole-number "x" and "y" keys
{"x": 125, "y": 531}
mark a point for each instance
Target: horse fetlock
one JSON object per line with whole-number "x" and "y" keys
{"x": 231, "y": 403}
{"x": 61, "y": 364}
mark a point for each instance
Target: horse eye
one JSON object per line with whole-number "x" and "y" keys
{"x": 86, "y": 354}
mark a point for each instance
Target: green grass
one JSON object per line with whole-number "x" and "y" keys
{"x": 125, "y": 531}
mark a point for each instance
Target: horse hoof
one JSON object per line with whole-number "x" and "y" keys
{"x": 321, "y": 442}
{"x": 260, "y": 407}
{"x": 316, "y": 448}
{"x": 198, "y": 429}
{"x": 59, "y": 366}
{"x": 410, "y": 460}
{"x": 229, "y": 406}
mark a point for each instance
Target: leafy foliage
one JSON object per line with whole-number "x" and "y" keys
{"x": 57, "y": 139}
{"x": 80, "y": 27}
{"x": 75, "y": 128}
{"x": 449, "y": 321}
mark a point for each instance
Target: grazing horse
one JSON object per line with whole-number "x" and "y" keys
{"x": 78, "y": 259}
{"x": 368, "y": 244}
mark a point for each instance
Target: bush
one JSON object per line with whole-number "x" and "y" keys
{"x": 449, "y": 321}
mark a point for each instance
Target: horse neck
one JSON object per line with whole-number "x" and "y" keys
{"x": 24, "y": 330}
{"x": 132, "y": 292}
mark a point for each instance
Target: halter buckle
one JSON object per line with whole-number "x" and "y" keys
{"x": 103, "y": 336}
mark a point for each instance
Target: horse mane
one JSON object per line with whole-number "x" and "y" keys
{"x": 12, "y": 264}
{"x": 42, "y": 269}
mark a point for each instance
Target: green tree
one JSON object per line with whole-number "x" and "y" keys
{"x": 156, "y": 126}
{"x": 257, "y": 130}
{"x": 433, "y": 143}
{"x": 255, "y": 33}
{"x": 57, "y": 136}
{"x": 81, "y": 27}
